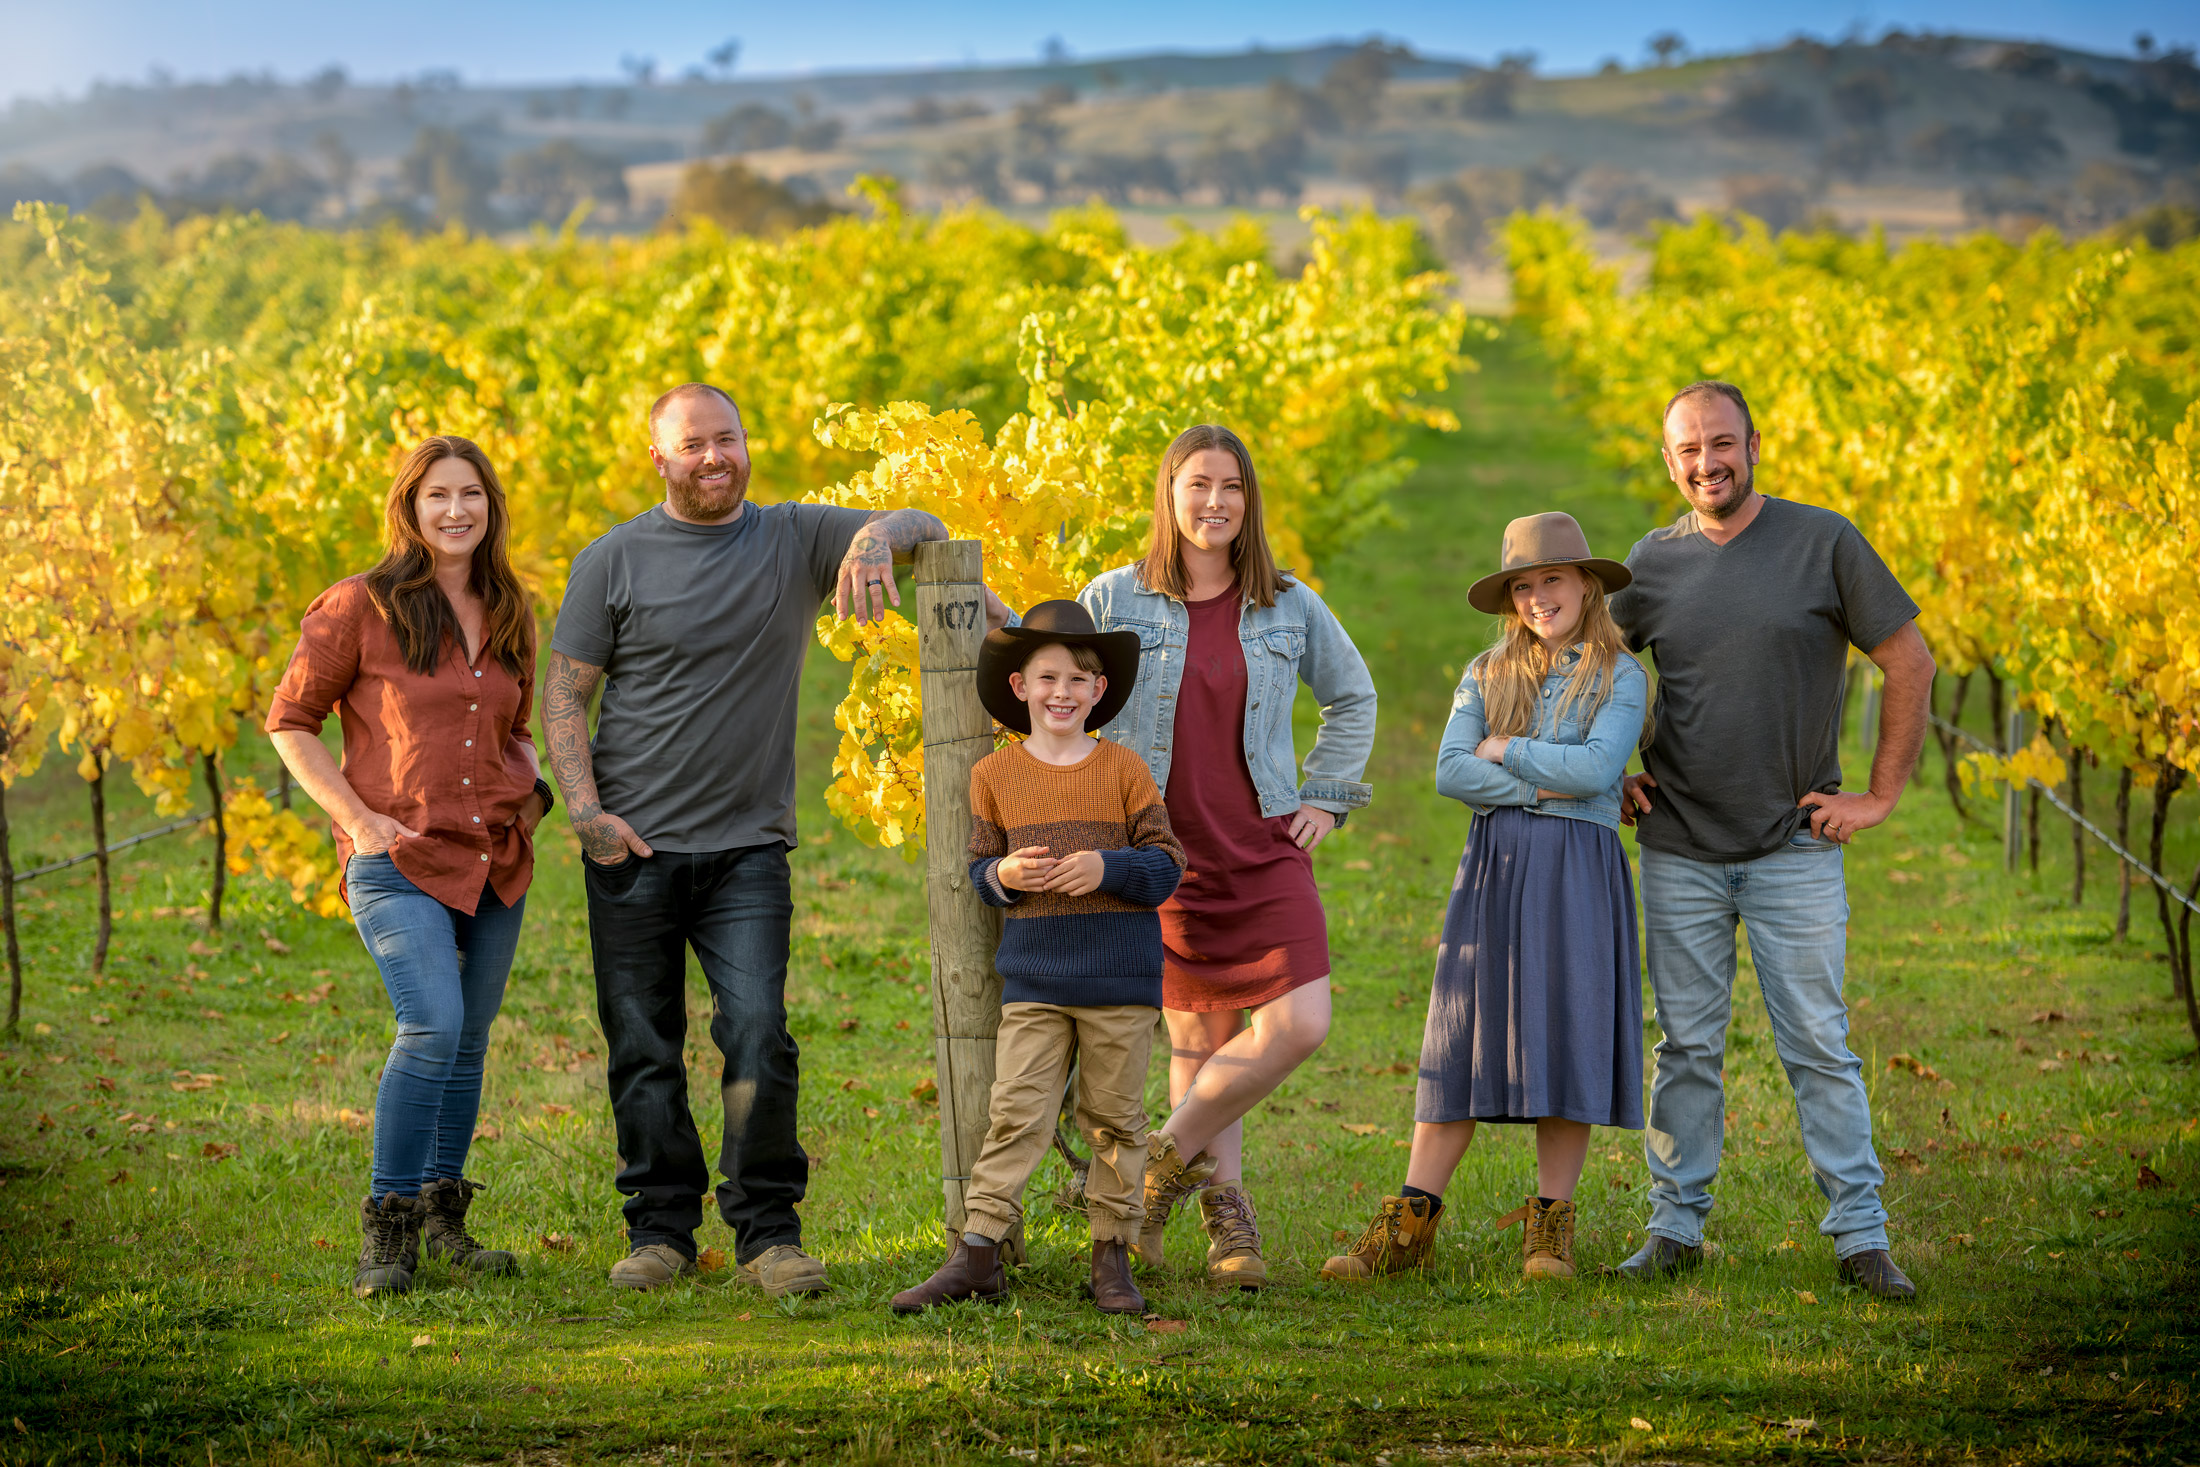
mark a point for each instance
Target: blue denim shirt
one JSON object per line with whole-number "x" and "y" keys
{"x": 1297, "y": 639}
{"x": 1582, "y": 765}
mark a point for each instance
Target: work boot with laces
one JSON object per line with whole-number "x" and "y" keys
{"x": 1168, "y": 1177}
{"x": 1401, "y": 1238}
{"x": 446, "y": 1200}
{"x": 1547, "y": 1249}
{"x": 389, "y": 1246}
{"x": 1233, "y": 1237}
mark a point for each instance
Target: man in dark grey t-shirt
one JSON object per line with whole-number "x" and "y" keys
{"x": 694, "y": 617}
{"x": 1749, "y": 606}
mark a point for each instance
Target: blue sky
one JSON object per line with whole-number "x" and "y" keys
{"x": 50, "y": 47}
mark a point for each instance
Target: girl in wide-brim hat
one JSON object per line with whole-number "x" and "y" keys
{"x": 1535, "y": 1015}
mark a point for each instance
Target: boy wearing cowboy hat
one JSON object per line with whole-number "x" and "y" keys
{"x": 1070, "y": 835}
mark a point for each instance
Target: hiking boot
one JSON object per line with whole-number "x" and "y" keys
{"x": 1168, "y": 1177}
{"x": 446, "y": 1200}
{"x": 1111, "y": 1287}
{"x": 970, "y": 1272}
{"x": 1547, "y": 1249}
{"x": 649, "y": 1265}
{"x": 1233, "y": 1237}
{"x": 1874, "y": 1272}
{"x": 785, "y": 1269}
{"x": 1401, "y": 1237}
{"x": 389, "y": 1246}
{"x": 1660, "y": 1257}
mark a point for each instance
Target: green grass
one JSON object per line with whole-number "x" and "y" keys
{"x": 161, "y": 1304}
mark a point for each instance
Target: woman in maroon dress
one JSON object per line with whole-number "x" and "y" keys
{"x": 1225, "y": 639}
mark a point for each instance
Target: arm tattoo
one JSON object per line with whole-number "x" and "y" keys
{"x": 891, "y": 536}
{"x": 566, "y": 691}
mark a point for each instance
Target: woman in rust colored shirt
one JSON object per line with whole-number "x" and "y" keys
{"x": 1225, "y": 640}
{"x": 429, "y": 661}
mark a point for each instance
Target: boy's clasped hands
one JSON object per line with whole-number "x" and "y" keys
{"x": 1032, "y": 869}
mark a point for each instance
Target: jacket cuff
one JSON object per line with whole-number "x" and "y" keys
{"x": 1336, "y": 795}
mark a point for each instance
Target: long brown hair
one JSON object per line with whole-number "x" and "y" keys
{"x": 403, "y": 584}
{"x": 1511, "y": 672}
{"x": 1258, "y": 580}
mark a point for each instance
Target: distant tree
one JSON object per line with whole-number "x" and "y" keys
{"x": 448, "y": 178}
{"x": 969, "y": 171}
{"x": 1383, "y": 170}
{"x": 751, "y": 127}
{"x": 1300, "y": 109}
{"x": 2143, "y": 43}
{"x": 616, "y": 103}
{"x": 1036, "y": 170}
{"x": 238, "y": 183}
{"x": 1863, "y": 99}
{"x": 741, "y": 202}
{"x": 552, "y": 180}
{"x": 2027, "y": 59}
{"x": 2022, "y": 145}
{"x": 1057, "y": 94}
{"x": 1666, "y": 45}
{"x": 1054, "y": 51}
{"x": 1613, "y": 198}
{"x": 2106, "y": 193}
{"x": 1774, "y": 198}
{"x": 642, "y": 69}
{"x": 1854, "y": 153}
{"x": 1225, "y": 169}
{"x": 1487, "y": 95}
{"x": 1611, "y": 66}
{"x": 1355, "y": 82}
{"x": 338, "y": 164}
{"x": 1118, "y": 177}
{"x": 1761, "y": 109}
{"x": 1107, "y": 78}
{"x": 819, "y": 134}
{"x": 1279, "y": 163}
{"x": 723, "y": 56}
{"x": 1036, "y": 131}
{"x": 1458, "y": 211}
{"x": 325, "y": 84}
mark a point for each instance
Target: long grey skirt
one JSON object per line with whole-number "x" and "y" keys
{"x": 1537, "y": 1005}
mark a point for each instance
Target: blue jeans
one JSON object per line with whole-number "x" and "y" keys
{"x": 1797, "y": 908}
{"x": 736, "y": 909}
{"x": 445, "y": 974}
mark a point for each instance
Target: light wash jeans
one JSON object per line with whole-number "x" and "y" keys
{"x": 1797, "y": 908}
{"x": 445, "y": 974}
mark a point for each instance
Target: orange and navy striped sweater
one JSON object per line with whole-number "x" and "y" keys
{"x": 1102, "y": 948}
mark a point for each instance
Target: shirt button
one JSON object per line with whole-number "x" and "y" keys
{"x": 484, "y": 857}
{"x": 472, "y": 707}
{"x": 469, "y": 743}
{"x": 465, "y": 781}
{"x": 477, "y": 820}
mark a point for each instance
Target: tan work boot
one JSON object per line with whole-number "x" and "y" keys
{"x": 785, "y": 1269}
{"x": 1400, "y": 1239}
{"x": 389, "y": 1246}
{"x": 1233, "y": 1237}
{"x": 1168, "y": 1177}
{"x": 1547, "y": 1248}
{"x": 649, "y": 1265}
{"x": 444, "y": 1231}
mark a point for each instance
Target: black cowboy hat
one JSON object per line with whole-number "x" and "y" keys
{"x": 1068, "y": 623}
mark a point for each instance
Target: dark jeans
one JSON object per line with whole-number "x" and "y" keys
{"x": 736, "y": 909}
{"x": 445, "y": 974}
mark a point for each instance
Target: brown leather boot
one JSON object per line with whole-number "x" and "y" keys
{"x": 1168, "y": 1178}
{"x": 970, "y": 1272}
{"x": 1112, "y": 1289}
{"x": 444, "y": 1231}
{"x": 1400, "y": 1239}
{"x": 1233, "y": 1237}
{"x": 1547, "y": 1252}
{"x": 389, "y": 1245}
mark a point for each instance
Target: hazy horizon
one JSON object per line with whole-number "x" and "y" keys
{"x": 61, "y": 52}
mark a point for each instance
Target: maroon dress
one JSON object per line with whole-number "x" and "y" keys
{"x": 1246, "y": 924}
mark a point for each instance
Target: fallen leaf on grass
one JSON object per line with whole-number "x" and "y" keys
{"x": 1962, "y": 1240}
{"x": 925, "y": 1091}
{"x": 2106, "y": 1212}
{"x": 323, "y": 1243}
{"x": 1361, "y": 1128}
{"x": 196, "y": 1082}
{"x": 870, "y": 1112}
{"x": 118, "y": 1179}
{"x": 422, "y": 1341}
{"x": 1899, "y": 877}
{"x": 849, "y": 1026}
{"x": 1903, "y": 1156}
{"x": 324, "y": 1059}
{"x": 2149, "y": 1179}
{"x": 488, "y": 1131}
{"x": 1166, "y": 1326}
{"x": 710, "y": 1260}
{"x": 1639, "y": 1424}
{"x": 1359, "y": 865}
{"x": 2132, "y": 1254}
{"x": 279, "y": 1038}
{"x": 140, "y": 1128}
{"x": 558, "y": 1242}
{"x": 47, "y": 1122}
{"x": 901, "y": 1024}
{"x": 103, "y": 1082}
{"x": 357, "y": 1120}
{"x": 1788, "y": 1245}
{"x": 553, "y": 1108}
{"x": 101, "y": 1019}
{"x": 1805, "y": 1296}
{"x": 2049, "y": 1066}
{"x": 848, "y": 1084}
{"x": 218, "y": 1150}
{"x": 2050, "y": 1016}
{"x": 1800, "y": 1426}
{"x": 199, "y": 949}
{"x": 743, "y": 1318}
{"x": 1915, "y": 1066}
{"x": 277, "y": 946}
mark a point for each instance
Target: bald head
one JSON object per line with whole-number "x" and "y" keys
{"x": 684, "y": 393}
{"x": 701, "y": 450}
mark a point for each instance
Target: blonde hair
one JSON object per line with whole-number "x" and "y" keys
{"x": 1258, "y": 579}
{"x": 1511, "y": 672}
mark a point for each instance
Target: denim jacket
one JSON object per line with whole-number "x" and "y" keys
{"x": 1583, "y": 765}
{"x": 1297, "y": 639}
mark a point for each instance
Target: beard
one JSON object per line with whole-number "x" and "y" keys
{"x": 692, "y": 501}
{"x": 1741, "y": 486}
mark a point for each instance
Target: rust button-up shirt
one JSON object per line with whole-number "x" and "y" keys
{"x": 447, "y": 754}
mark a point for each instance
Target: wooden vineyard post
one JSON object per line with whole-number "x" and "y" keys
{"x": 958, "y": 732}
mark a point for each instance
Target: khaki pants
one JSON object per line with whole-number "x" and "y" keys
{"x": 1031, "y": 1065}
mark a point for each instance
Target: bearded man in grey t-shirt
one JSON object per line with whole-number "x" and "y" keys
{"x": 1750, "y": 605}
{"x": 694, "y": 617}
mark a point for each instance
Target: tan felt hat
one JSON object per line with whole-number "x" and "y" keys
{"x": 1537, "y": 540}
